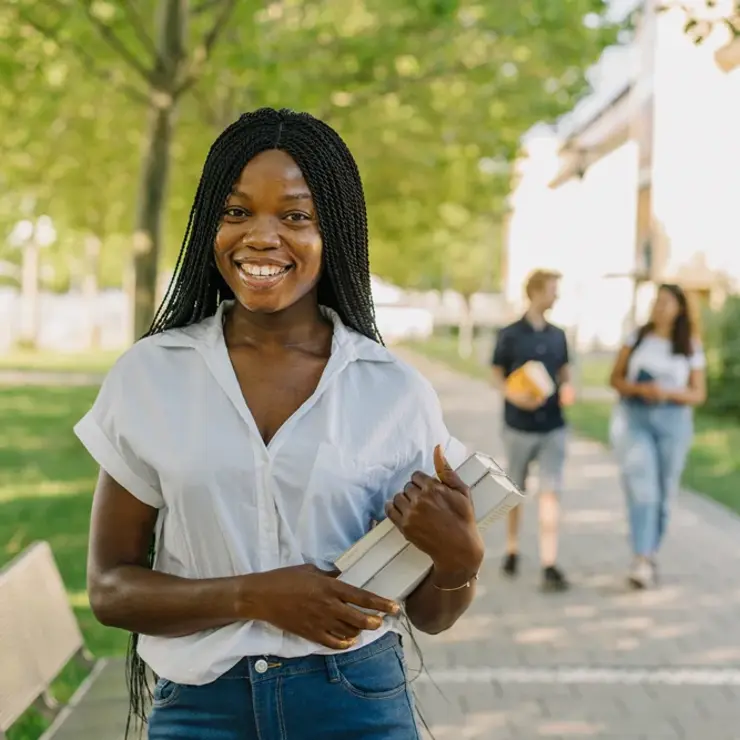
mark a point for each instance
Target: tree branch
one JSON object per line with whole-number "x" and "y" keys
{"x": 86, "y": 59}
{"x": 129, "y": 8}
{"x": 202, "y": 52}
{"x": 110, "y": 37}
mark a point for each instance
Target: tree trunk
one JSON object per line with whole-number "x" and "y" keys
{"x": 29, "y": 312}
{"x": 90, "y": 289}
{"x": 465, "y": 330}
{"x": 171, "y": 33}
{"x": 148, "y": 235}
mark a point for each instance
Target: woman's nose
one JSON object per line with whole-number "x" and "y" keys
{"x": 263, "y": 234}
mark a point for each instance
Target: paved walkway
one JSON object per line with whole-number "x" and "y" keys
{"x": 598, "y": 661}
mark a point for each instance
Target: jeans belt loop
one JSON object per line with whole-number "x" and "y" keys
{"x": 332, "y": 669}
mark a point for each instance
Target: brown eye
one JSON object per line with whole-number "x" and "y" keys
{"x": 297, "y": 217}
{"x": 234, "y": 212}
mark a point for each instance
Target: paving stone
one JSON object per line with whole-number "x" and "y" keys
{"x": 690, "y": 622}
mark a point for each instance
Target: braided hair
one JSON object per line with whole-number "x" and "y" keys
{"x": 332, "y": 176}
{"x": 197, "y": 287}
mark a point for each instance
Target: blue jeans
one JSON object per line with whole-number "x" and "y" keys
{"x": 362, "y": 695}
{"x": 651, "y": 444}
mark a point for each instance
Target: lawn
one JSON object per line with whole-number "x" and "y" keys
{"x": 46, "y": 484}
{"x": 713, "y": 467}
{"x": 98, "y": 362}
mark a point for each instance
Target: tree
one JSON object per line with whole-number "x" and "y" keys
{"x": 704, "y": 16}
{"x": 442, "y": 83}
{"x": 144, "y": 51}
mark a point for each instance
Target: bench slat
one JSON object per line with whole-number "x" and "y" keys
{"x": 38, "y": 630}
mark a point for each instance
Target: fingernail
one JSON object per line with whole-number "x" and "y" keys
{"x": 395, "y": 608}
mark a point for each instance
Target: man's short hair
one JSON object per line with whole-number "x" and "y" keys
{"x": 538, "y": 279}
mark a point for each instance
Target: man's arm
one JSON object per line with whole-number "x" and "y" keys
{"x": 498, "y": 378}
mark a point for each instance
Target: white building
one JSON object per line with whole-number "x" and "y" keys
{"x": 641, "y": 192}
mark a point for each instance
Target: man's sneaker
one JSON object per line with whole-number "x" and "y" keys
{"x": 510, "y": 565}
{"x": 642, "y": 575}
{"x": 554, "y": 580}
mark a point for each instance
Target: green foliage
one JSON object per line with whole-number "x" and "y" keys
{"x": 723, "y": 341}
{"x": 433, "y": 97}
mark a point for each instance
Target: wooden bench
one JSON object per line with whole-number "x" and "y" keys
{"x": 39, "y": 635}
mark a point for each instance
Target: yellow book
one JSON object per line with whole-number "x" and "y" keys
{"x": 532, "y": 378}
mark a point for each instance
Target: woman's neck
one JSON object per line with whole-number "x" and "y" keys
{"x": 299, "y": 325}
{"x": 660, "y": 330}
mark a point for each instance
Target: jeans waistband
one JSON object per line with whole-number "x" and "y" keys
{"x": 638, "y": 403}
{"x": 267, "y": 667}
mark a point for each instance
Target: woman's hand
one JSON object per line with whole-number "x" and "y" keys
{"x": 436, "y": 515}
{"x": 651, "y": 392}
{"x": 313, "y": 604}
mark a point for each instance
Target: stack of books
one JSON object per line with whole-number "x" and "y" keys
{"x": 385, "y": 563}
{"x": 533, "y": 379}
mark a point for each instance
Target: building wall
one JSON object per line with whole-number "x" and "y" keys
{"x": 585, "y": 230}
{"x": 684, "y": 150}
{"x": 696, "y": 157}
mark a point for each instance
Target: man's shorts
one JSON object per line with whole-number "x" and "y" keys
{"x": 546, "y": 448}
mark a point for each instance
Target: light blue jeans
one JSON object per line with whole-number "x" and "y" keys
{"x": 651, "y": 443}
{"x": 358, "y": 695}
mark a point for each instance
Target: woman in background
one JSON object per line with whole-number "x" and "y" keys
{"x": 660, "y": 376}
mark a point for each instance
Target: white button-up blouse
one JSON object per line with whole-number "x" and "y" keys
{"x": 170, "y": 424}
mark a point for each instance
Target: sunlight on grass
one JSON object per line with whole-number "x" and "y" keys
{"x": 46, "y": 485}
{"x": 98, "y": 361}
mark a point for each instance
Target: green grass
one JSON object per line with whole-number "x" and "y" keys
{"x": 98, "y": 361}
{"x": 713, "y": 467}
{"x": 46, "y": 485}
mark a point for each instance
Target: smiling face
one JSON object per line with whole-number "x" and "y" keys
{"x": 268, "y": 247}
{"x": 666, "y": 309}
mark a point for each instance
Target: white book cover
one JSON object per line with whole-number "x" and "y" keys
{"x": 384, "y": 563}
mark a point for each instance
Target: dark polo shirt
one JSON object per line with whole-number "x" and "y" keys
{"x": 518, "y": 343}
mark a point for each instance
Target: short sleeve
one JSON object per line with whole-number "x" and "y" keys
{"x": 566, "y": 350}
{"x": 631, "y": 339}
{"x": 426, "y": 430}
{"x": 108, "y": 432}
{"x": 698, "y": 360}
{"x": 502, "y": 351}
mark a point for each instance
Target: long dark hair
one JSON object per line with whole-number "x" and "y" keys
{"x": 197, "y": 288}
{"x": 683, "y": 333}
{"x": 332, "y": 176}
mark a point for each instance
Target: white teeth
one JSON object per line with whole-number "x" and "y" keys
{"x": 261, "y": 270}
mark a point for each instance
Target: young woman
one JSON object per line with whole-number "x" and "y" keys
{"x": 257, "y": 432}
{"x": 659, "y": 375}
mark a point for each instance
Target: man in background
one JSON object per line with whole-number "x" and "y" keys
{"x": 535, "y": 429}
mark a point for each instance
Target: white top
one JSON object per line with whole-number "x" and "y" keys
{"x": 655, "y": 357}
{"x": 170, "y": 424}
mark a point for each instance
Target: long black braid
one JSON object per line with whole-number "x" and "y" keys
{"x": 332, "y": 176}
{"x": 197, "y": 287}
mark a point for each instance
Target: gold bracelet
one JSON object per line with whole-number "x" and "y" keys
{"x": 457, "y": 588}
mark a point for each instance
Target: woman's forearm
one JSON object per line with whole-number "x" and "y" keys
{"x": 141, "y": 600}
{"x": 433, "y": 611}
{"x": 625, "y": 388}
{"x": 686, "y": 397}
